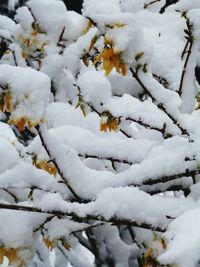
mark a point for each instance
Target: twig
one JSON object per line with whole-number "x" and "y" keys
{"x": 60, "y": 40}
{"x": 170, "y": 188}
{"x": 185, "y": 49}
{"x": 96, "y": 111}
{"x": 160, "y": 106}
{"x": 11, "y": 194}
{"x": 83, "y": 241}
{"x": 61, "y": 35}
{"x": 31, "y": 187}
{"x": 65, "y": 180}
{"x": 151, "y": 3}
{"x": 34, "y": 18}
{"x": 93, "y": 243}
{"x": 163, "y": 130}
{"x": 168, "y": 3}
{"x": 161, "y": 80}
{"x": 86, "y": 228}
{"x": 106, "y": 158}
{"x": 190, "y": 42}
{"x": 14, "y": 56}
{"x": 48, "y": 219}
{"x": 164, "y": 179}
{"x": 100, "y": 218}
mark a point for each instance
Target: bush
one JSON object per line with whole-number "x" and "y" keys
{"x": 99, "y": 134}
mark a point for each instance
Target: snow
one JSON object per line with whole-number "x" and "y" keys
{"x": 12, "y": 4}
{"x": 58, "y": 114}
{"x": 24, "y": 17}
{"x": 75, "y": 24}
{"x": 19, "y": 225}
{"x": 7, "y": 151}
{"x": 145, "y": 111}
{"x": 95, "y": 87}
{"x": 183, "y": 235}
{"x": 53, "y": 65}
{"x": 57, "y": 88}
{"x": 52, "y": 24}
{"x": 26, "y": 176}
{"x": 124, "y": 85}
{"x": 158, "y": 162}
{"x": 103, "y": 7}
{"x": 30, "y": 95}
{"x": 152, "y": 211}
{"x": 7, "y": 133}
{"x": 184, "y": 5}
{"x": 101, "y": 147}
{"x": 75, "y": 51}
{"x": 7, "y": 24}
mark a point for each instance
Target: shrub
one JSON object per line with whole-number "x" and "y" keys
{"x": 99, "y": 140}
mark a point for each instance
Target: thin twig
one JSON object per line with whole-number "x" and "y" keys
{"x": 65, "y": 180}
{"x": 61, "y": 35}
{"x": 168, "y": 178}
{"x": 160, "y": 106}
{"x": 148, "y": 126}
{"x": 151, "y": 3}
{"x": 173, "y": 188}
{"x": 11, "y": 194}
{"x": 161, "y": 80}
{"x": 107, "y": 158}
{"x": 185, "y": 49}
{"x": 48, "y": 219}
{"x": 190, "y": 42}
{"x": 34, "y": 18}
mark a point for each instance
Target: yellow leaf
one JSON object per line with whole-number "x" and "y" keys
{"x": 8, "y": 97}
{"x": 111, "y": 60}
{"x": 66, "y": 245}
{"x": 49, "y": 243}
{"x": 23, "y": 122}
{"x": 108, "y": 69}
{"x": 48, "y": 167}
{"x": 93, "y": 41}
{"x": 113, "y": 124}
{"x": 104, "y": 127}
{"x": 109, "y": 122}
{"x": 123, "y": 69}
{"x": 11, "y": 253}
